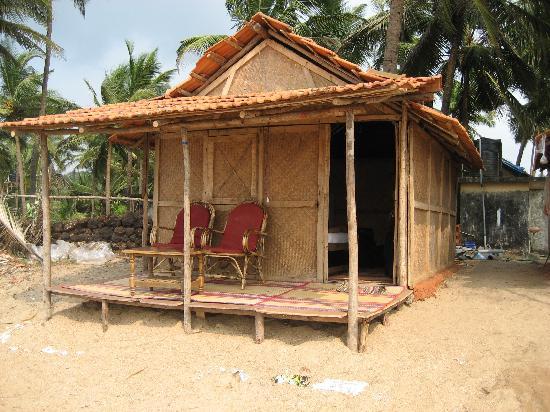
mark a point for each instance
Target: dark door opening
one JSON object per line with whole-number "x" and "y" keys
{"x": 375, "y": 170}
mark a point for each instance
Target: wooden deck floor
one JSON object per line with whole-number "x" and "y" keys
{"x": 302, "y": 301}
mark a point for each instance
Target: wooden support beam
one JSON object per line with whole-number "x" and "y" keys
{"x": 353, "y": 279}
{"x": 46, "y": 228}
{"x": 403, "y": 215}
{"x": 364, "y": 333}
{"x": 259, "y": 29}
{"x": 233, "y": 42}
{"x": 216, "y": 58}
{"x": 118, "y": 130}
{"x": 259, "y": 327}
{"x": 104, "y": 314}
{"x": 144, "y": 194}
{"x": 20, "y": 175}
{"x": 198, "y": 77}
{"x": 146, "y": 262}
{"x": 187, "y": 231}
{"x": 108, "y": 179}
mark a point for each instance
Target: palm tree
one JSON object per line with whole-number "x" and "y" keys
{"x": 20, "y": 97}
{"x": 329, "y": 22}
{"x": 81, "y": 6}
{"x": 393, "y": 33}
{"x": 14, "y": 15}
{"x": 446, "y": 33}
{"x": 140, "y": 78}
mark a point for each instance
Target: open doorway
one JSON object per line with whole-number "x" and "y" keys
{"x": 375, "y": 174}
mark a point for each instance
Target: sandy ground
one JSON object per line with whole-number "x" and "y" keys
{"x": 481, "y": 344}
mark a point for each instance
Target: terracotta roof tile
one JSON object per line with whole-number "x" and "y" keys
{"x": 452, "y": 125}
{"x": 158, "y": 108}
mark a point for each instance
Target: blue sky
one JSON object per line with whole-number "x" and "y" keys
{"x": 95, "y": 44}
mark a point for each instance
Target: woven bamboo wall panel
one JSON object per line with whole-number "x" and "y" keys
{"x": 433, "y": 243}
{"x": 436, "y": 175}
{"x": 445, "y": 176}
{"x": 320, "y": 81}
{"x": 454, "y": 184}
{"x": 448, "y": 233}
{"x": 291, "y": 163}
{"x": 291, "y": 243}
{"x": 167, "y": 218}
{"x": 269, "y": 70}
{"x": 421, "y": 155}
{"x": 232, "y": 168}
{"x": 419, "y": 262}
{"x": 171, "y": 167}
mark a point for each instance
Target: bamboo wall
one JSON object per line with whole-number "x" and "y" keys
{"x": 278, "y": 166}
{"x": 270, "y": 67}
{"x": 433, "y": 206}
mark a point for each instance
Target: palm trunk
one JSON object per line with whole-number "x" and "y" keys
{"x": 393, "y": 34}
{"x": 520, "y": 153}
{"x": 450, "y": 77}
{"x": 464, "y": 115}
{"x": 20, "y": 174}
{"x": 43, "y": 99}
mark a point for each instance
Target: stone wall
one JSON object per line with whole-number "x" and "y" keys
{"x": 512, "y": 207}
{"x": 122, "y": 232}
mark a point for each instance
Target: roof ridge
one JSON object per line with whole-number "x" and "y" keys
{"x": 211, "y": 63}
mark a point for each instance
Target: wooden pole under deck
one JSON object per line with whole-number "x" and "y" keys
{"x": 108, "y": 179}
{"x": 46, "y": 228}
{"x": 403, "y": 198}
{"x": 353, "y": 279}
{"x": 144, "y": 195}
{"x": 187, "y": 232}
{"x": 147, "y": 262}
{"x": 20, "y": 175}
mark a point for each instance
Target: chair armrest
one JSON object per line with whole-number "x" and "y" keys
{"x": 246, "y": 237}
{"x": 206, "y": 235}
{"x": 153, "y": 235}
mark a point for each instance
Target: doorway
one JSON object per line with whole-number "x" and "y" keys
{"x": 375, "y": 174}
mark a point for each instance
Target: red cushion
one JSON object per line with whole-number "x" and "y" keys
{"x": 200, "y": 217}
{"x": 246, "y": 216}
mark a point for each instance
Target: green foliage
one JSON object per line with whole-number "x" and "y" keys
{"x": 14, "y": 16}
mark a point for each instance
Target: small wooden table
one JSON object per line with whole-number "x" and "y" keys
{"x": 155, "y": 281}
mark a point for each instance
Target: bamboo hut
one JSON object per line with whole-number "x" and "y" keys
{"x": 358, "y": 175}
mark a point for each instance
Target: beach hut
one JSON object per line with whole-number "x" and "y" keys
{"x": 356, "y": 173}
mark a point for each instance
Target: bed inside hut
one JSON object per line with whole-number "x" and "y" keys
{"x": 375, "y": 196}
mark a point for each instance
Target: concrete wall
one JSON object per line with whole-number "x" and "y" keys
{"x": 511, "y": 206}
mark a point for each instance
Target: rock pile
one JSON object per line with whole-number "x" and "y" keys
{"x": 121, "y": 232}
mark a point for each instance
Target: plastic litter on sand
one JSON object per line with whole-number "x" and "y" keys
{"x": 6, "y": 335}
{"x": 53, "y": 351}
{"x": 95, "y": 253}
{"x": 353, "y": 388}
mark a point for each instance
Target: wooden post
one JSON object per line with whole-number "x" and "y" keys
{"x": 108, "y": 180}
{"x": 363, "y": 335}
{"x": 20, "y": 175}
{"x": 259, "y": 327}
{"x": 144, "y": 194}
{"x": 147, "y": 261}
{"x": 104, "y": 315}
{"x": 403, "y": 199}
{"x": 46, "y": 228}
{"x": 353, "y": 278}
{"x": 187, "y": 232}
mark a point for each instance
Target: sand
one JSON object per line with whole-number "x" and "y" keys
{"x": 483, "y": 343}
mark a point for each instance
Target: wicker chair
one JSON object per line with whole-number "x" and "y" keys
{"x": 202, "y": 215}
{"x": 242, "y": 238}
